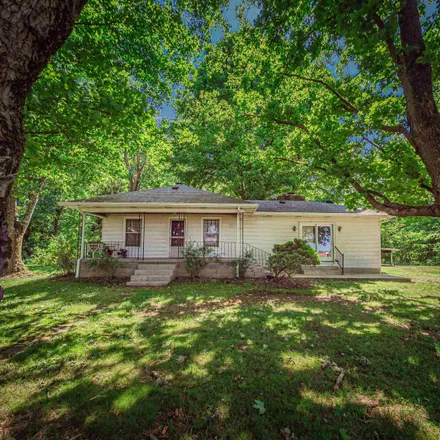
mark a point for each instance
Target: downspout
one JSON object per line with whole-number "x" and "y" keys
{"x": 81, "y": 255}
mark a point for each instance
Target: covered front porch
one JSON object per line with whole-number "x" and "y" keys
{"x": 152, "y": 236}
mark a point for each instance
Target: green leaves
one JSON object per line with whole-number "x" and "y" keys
{"x": 259, "y": 405}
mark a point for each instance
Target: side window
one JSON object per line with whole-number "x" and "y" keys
{"x": 133, "y": 232}
{"x": 211, "y": 233}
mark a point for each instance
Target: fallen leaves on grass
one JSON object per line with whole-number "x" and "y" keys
{"x": 161, "y": 426}
{"x": 159, "y": 380}
{"x": 182, "y": 359}
{"x": 287, "y": 434}
{"x": 325, "y": 365}
{"x": 259, "y": 405}
{"x": 283, "y": 283}
{"x": 339, "y": 380}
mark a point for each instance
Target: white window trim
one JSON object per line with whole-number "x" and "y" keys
{"x": 220, "y": 228}
{"x": 125, "y": 228}
{"x": 333, "y": 225}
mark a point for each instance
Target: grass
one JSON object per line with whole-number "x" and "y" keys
{"x": 80, "y": 360}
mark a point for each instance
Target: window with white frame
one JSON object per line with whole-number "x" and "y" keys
{"x": 133, "y": 232}
{"x": 211, "y": 232}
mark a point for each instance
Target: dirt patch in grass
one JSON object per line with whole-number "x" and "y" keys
{"x": 280, "y": 283}
{"x": 19, "y": 347}
{"x": 106, "y": 281}
{"x": 251, "y": 297}
{"x": 283, "y": 283}
{"x": 25, "y": 274}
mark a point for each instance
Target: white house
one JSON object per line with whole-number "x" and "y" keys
{"x": 153, "y": 226}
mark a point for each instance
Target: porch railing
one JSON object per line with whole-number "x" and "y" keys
{"x": 259, "y": 256}
{"x": 339, "y": 258}
{"x": 222, "y": 249}
{"x": 116, "y": 249}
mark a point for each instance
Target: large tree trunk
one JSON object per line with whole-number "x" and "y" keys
{"x": 416, "y": 78}
{"x": 17, "y": 230}
{"x": 31, "y": 31}
{"x": 135, "y": 169}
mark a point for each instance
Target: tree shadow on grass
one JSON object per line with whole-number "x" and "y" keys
{"x": 220, "y": 351}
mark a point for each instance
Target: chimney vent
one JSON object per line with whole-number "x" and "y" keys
{"x": 175, "y": 187}
{"x": 292, "y": 197}
{"x": 282, "y": 202}
{"x": 329, "y": 201}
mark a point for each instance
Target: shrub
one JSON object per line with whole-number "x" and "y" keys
{"x": 289, "y": 257}
{"x": 105, "y": 262}
{"x": 242, "y": 264}
{"x": 196, "y": 258}
{"x": 60, "y": 253}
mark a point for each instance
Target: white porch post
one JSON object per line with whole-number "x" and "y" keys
{"x": 81, "y": 255}
{"x": 238, "y": 251}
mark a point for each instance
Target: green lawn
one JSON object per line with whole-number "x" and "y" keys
{"x": 81, "y": 360}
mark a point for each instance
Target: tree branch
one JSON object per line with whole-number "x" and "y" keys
{"x": 303, "y": 164}
{"x": 396, "y": 209}
{"x": 388, "y": 40}
{"x": 398, "y": 129}
{"x": 349, "y": 106}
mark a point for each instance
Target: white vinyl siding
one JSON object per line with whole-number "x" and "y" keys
{"x": 157, "y": 230}
{"x": 359, "y": 238}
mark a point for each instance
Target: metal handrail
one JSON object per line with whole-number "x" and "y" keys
{"x": 222, "y": 249}
{"x": 340, "y": 259}
{"x": 260, "y": 257}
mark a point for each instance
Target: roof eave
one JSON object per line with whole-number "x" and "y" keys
{"x": 323, "y": 214}
{"x": 85, "y": 206}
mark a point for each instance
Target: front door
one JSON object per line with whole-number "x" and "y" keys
{"x": 320, "y": 238}
{"x": 177, "y": 238}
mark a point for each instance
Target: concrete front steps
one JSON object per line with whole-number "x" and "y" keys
{"x": 153, "y": 274}
{"x": 326, "y": 270}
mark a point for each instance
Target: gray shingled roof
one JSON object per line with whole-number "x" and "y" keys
{"x": 301, "y": 206}
{"x": 183, "y": 194}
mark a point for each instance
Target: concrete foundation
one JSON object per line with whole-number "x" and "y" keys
{"x": 222, "y": 269}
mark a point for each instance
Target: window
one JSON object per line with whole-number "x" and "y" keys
{"x": 320, "y": 238}
{"x": 133, "y": 232}
{"x": 178, "y": 233}
{"x": 211, "y": 233}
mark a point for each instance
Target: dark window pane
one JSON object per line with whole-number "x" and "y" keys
{"x": 133, "y": 226}
{"x": 211, "y": 232}
{"x": 132, "y": 239}
{"x": 133, "y": 232}
{"x": 178, "y": 242}
{"x": 177, "y": 233}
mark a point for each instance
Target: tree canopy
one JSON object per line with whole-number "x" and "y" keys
{"x": 332, "y": 100}
{"x": 372, "y": 70}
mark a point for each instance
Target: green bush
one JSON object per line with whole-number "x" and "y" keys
{"x": 288, "y": 258}
{"x": 242, "y": 264}
{"x": 196, "y": 258}
{"x": 60, "y": 253}
{"x": 105, "y": 262}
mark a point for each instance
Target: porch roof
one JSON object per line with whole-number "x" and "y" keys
{"x": 178, "y": 197}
